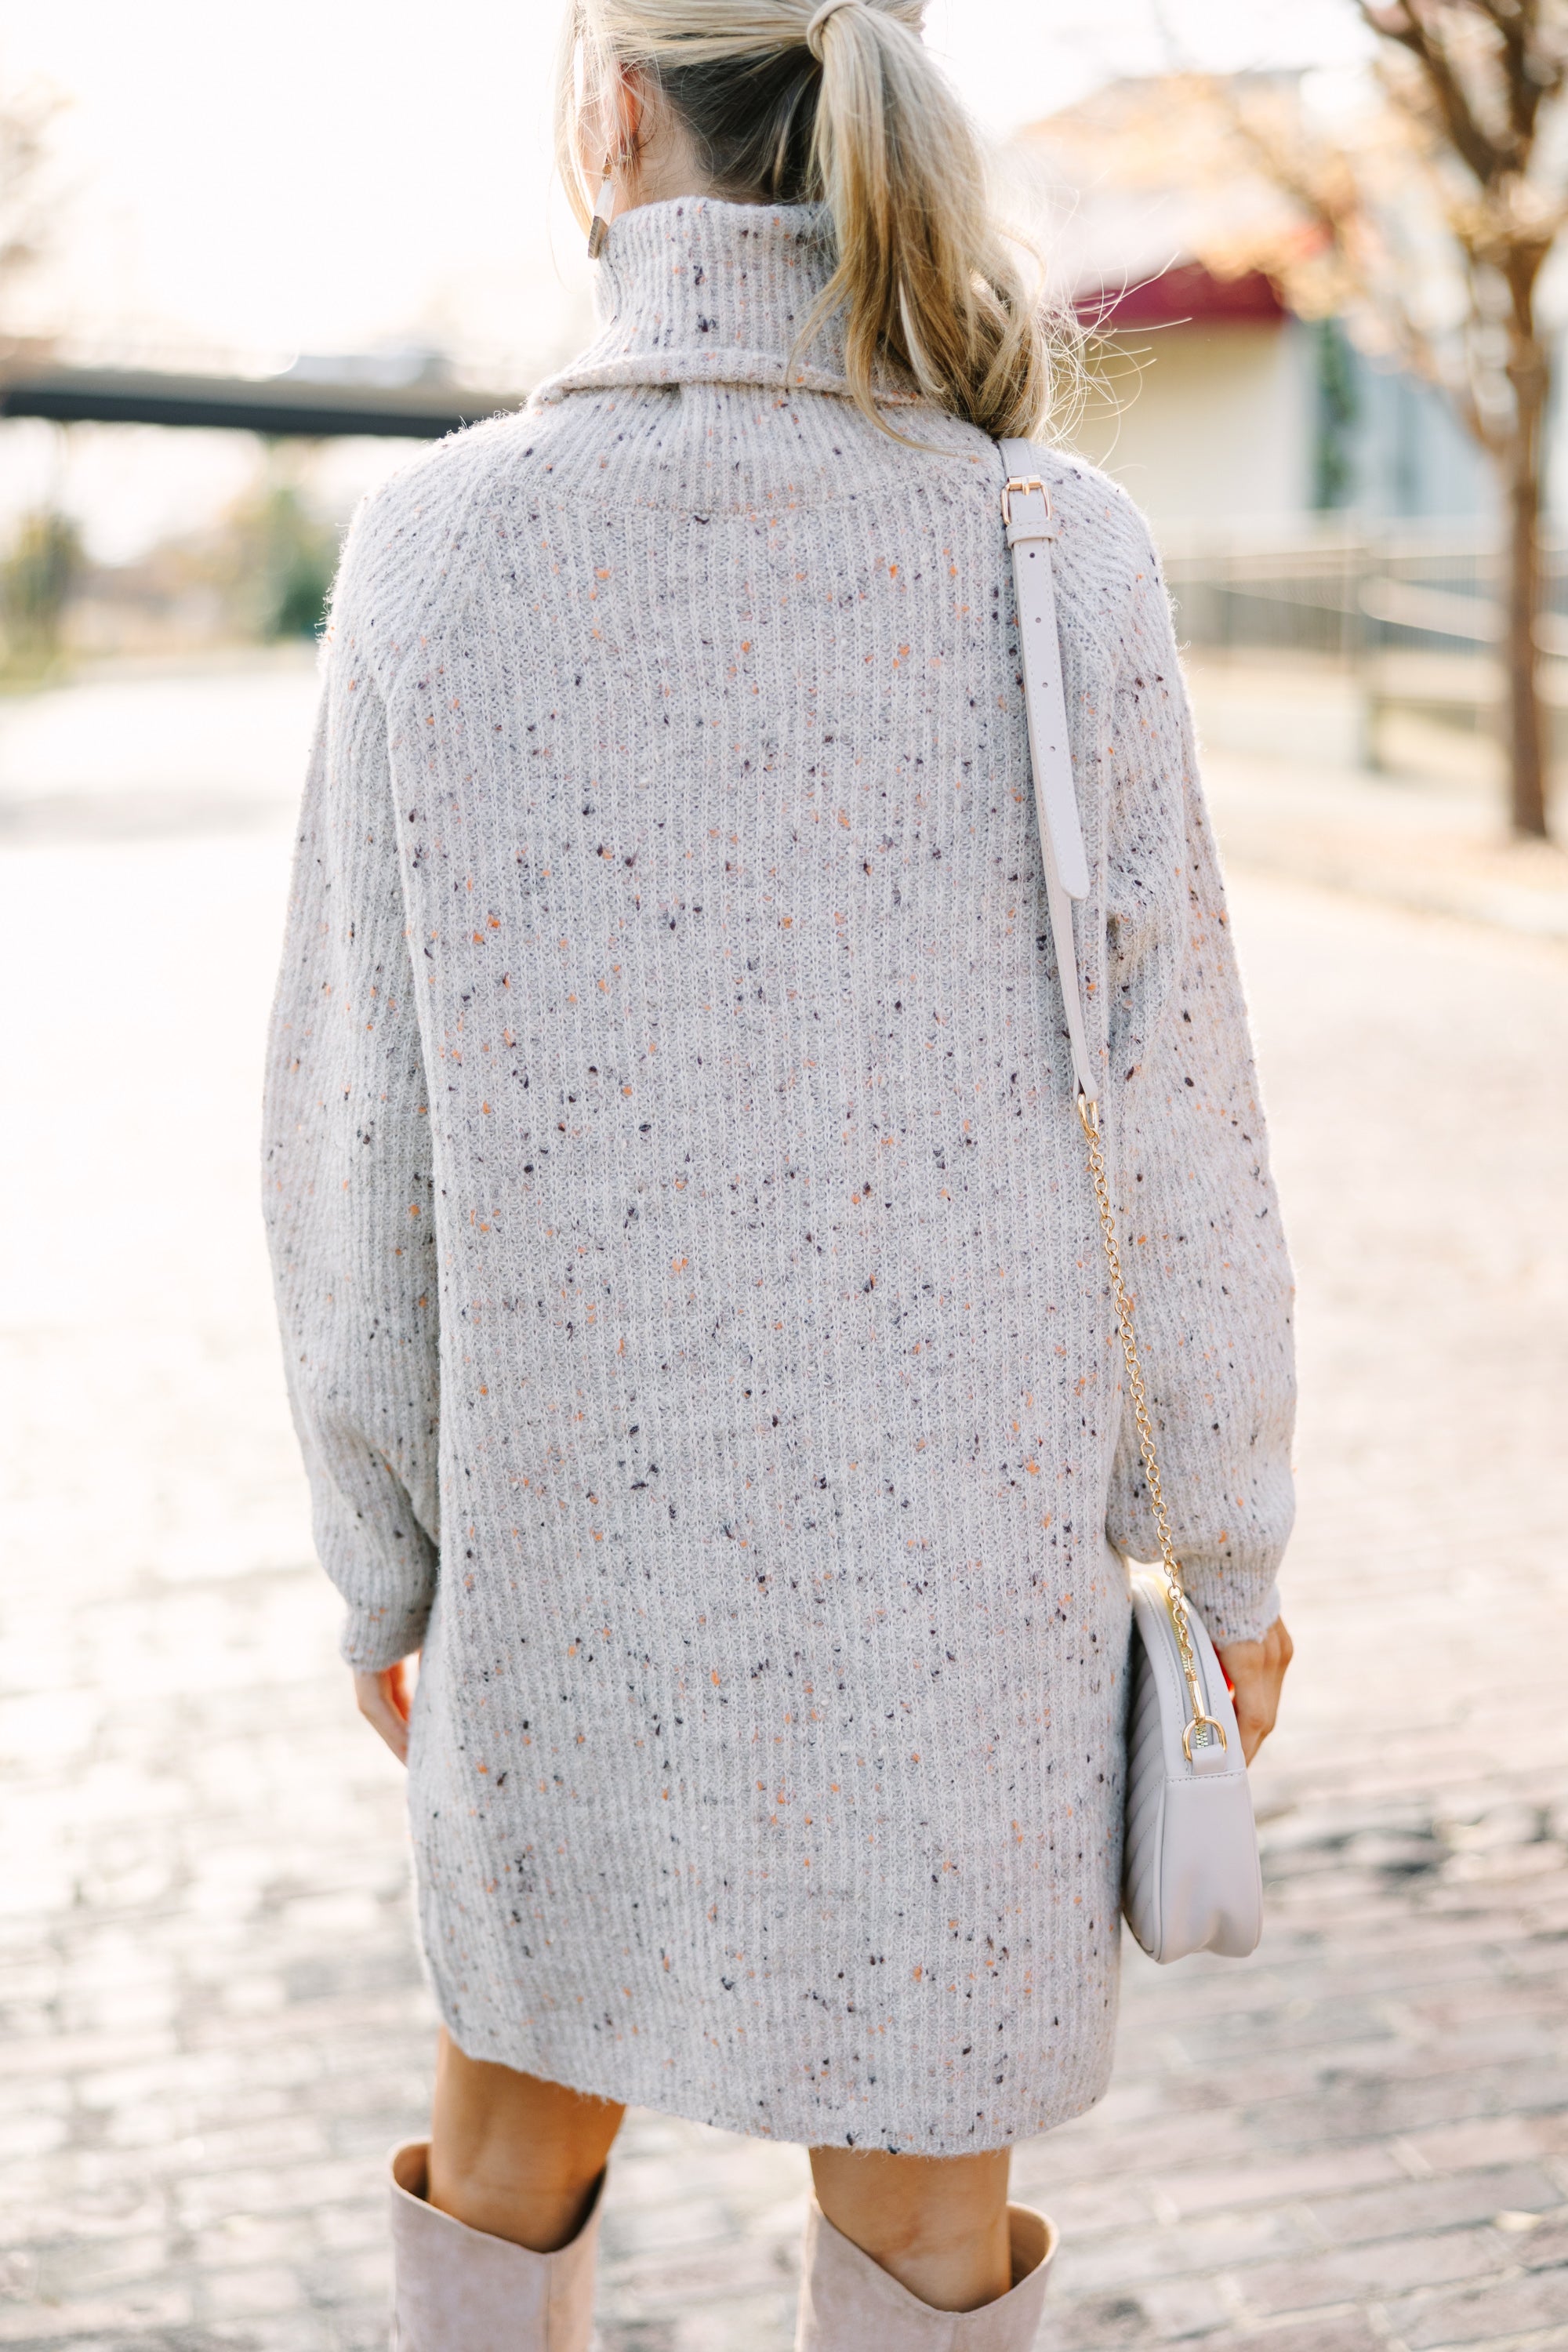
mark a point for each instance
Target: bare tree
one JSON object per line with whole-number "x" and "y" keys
{"x": 25, "y": 205}
{"x": 39, "y": 568}
{"x": 1473, "y": 89}
{"x": 1424, "y": 220}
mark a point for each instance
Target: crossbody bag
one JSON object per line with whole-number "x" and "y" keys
{"x": 1190, "y": 1880}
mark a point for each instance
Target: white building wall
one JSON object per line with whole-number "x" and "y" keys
{"x": 1411, "y": 456}
{"x": 1209, "y": 425}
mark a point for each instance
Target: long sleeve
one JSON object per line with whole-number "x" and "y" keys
{"x": 1201, "y": 1237}
{"x": 348, "y": 1189}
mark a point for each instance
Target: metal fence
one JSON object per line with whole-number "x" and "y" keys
{"x": 1349, "y": 596}
{"x": 1416, "y": 617}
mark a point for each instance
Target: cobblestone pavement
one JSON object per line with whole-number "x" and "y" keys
{"x": 215, "y": 2019}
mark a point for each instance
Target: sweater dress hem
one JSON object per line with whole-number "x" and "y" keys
{"x": 658, "y": 2085}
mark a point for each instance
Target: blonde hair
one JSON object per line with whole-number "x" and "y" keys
{"x": 843, "y": 106}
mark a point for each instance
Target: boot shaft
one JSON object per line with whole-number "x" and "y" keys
{"x": 850, "y": 2304}
{"x": 458, "y": 2290}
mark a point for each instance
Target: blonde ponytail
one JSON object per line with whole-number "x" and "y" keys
{"x": 842, "y": 104}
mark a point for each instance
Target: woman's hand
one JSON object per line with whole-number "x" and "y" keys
{"x": 1256, "y": 1670}
{"x": 384, "y": 1699}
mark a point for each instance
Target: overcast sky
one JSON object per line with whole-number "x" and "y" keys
{"x": 321, "y": 174}
{"x": 324, "y": 176}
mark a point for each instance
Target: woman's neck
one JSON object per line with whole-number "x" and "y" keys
{"x": 665, "y": 163}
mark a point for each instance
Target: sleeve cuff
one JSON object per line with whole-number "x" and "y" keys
{"x": 375, "y": 1639}
{"x": 1232, "y": 1613}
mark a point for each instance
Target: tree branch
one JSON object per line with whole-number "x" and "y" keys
{"x": 1400, "y": 24}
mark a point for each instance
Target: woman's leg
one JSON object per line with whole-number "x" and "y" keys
{"x": 512, "y": 2156}
{"x": 938, "y": 2224}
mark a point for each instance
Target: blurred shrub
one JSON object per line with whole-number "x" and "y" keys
{"x": 259, "y": 570}
{"x": 281, "y": 559}
{"x": 38, "y": 573}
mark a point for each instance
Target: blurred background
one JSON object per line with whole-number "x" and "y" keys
{"x": 237, "y": 279}
{"x": 1318, "y": 255}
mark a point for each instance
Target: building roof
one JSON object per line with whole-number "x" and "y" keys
{"x": 1121, "y": 217}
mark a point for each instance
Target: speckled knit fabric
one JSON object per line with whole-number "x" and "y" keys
{"x": 690, "y": 1285}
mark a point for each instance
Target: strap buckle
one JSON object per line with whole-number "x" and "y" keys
{"x": 1022, "y": 484}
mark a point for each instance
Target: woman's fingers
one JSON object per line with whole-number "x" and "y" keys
{"x": 1256, "y": 1671}
{"x": 383, "y": 1701}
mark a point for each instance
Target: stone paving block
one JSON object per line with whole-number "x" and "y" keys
{"x": 1360, "y": 2168}
{"x": 1341, "y": 2273}
{"x": 1083, "y": 2208}
{"x": 1534, "y": 2339}
{"x": 1097, "y": 2323}
{"x": 751, "y": 2318}
{"x": 1546, "y": 2247}
{"x": 1288, "y": 2029}
{"x": 1346, "y": 2331}
{"x": 645, "y": 2282}
{"x": 659, "y": 2335}
{"x": 136, "y": 2313}
{"x": 245, "y": 2241}
{"x": 240, "y": 2292}
{"x": 1219, "y": 2243}
{"x": 86, "y": 2267}
{"x": 82, "y": 2209}
{"x": 352, "y": 2227}
{"x": 1175, "y": 2309}
{"x": 25, "y": 2138}
{"x": 1403, "y": 2101}
{"x": 1490, "y": 2139}
{"x": 1435, "y": 2204}
{"x": 1482, "y": 2016}
{"x": 295, "y": 2331}
{"x": 1480, "y": 2315}
{"x": 1536, "y": 1954}
{"x": 357, "y": 2278}
{"x": 276, "y": 2143}
{"x": 1107, "y": 2144}
{"x": 675, "y": 2228}
{"x": 38, "y": 2054}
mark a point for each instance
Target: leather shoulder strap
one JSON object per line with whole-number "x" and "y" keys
{"x": 1026, "y": 513}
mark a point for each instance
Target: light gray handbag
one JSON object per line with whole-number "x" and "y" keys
{"x": 1190, "y": 1880}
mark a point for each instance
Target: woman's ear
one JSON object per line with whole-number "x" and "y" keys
{"x": 627, "y": 105}
{"x": 611, "y": 126}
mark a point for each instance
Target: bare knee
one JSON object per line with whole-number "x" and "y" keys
{"x": 512, "y": 2155}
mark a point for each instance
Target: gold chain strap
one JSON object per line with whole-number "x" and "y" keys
{"x": 1021, "y": 484}
{"x": 1089, "y": 1117}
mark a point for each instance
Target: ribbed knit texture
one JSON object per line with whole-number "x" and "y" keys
{"x": 690, "y": 1277}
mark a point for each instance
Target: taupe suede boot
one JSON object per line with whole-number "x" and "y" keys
{"x": 458, "y": 2290}
{"x": 850, "y": 2304}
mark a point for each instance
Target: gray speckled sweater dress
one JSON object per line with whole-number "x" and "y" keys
{"x": 690, "y": 1280}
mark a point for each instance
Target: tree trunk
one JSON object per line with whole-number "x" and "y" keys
{"x": 1527, "y": 750}
{"x": 1529, "y": 371}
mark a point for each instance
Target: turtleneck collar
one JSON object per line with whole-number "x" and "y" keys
{"x": 697, "y": 290}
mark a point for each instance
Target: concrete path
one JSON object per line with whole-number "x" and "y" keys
{"x": 214, "y": 2017}
{"x": 1282, "y": 743}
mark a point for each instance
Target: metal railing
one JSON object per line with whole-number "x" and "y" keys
{"x": 1354, "y": 595}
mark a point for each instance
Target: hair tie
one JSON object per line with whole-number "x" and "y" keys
{"x": 814, "y": 30}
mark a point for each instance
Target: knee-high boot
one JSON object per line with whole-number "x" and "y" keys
{"x": 850, "y": 2304}
{"x": 458, "y": 2290}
